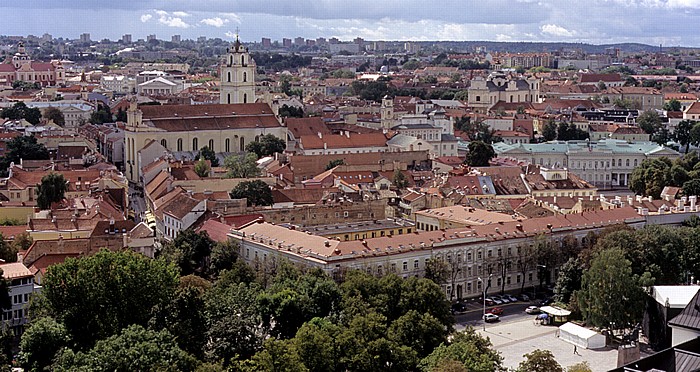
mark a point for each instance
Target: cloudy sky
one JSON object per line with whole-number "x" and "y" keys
{"x": 667, "y": 22}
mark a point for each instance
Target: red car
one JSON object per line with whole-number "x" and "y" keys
{"x": 496, "y": 310}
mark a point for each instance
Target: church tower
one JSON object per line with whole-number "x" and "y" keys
{"x": 237, "y": 75}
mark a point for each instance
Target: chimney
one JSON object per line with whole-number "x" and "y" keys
{"x": 347, "y": 133}
{"x": 693, "y": 201}
{"x": 320, "y": 135}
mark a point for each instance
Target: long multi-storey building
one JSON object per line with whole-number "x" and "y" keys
{"x": 606, "y": 163}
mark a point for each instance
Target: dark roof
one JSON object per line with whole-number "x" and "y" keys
{"x": 681, "y": 358}
{"x": 690, "y": 316}
{"x": 181, "y": 118}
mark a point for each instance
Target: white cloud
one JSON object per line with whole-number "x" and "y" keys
{"x": 174, "y": 20}
{"x": 230, "y": 35}
{"x": 146, "y": 17}
{"x": 555, "y": 30}
{"x": 216, "y": 21}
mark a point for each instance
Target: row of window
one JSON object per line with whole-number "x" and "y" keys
{"x": 16, "y": 314}
{"x": 20, "y": 299}
{"x": 210, "y": 144}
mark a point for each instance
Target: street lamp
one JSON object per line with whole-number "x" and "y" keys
{"x": 486, "y": 287}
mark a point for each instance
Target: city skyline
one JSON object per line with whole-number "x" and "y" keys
{"x": 653, "y": 22}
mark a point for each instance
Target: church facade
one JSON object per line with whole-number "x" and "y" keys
{"x": 225, "y": 128}
{"x": 22, "y": 68}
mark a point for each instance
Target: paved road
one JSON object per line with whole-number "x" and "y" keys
{"x": 511, "y": 312}
{"x": 136, "y": 203}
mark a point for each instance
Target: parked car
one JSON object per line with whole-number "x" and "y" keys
{"x": 501, "y": 298}
{"x": 547, "y": 301}
{"x": 523, "y": 297}
{"x": 496, "y": 310}
{"x": 511, "y": 298}
{"x": 532, "y": 310}
{"x": 488, "y": 318}
{"x": 458, "y": 308}
{"x": 490, "y": 301}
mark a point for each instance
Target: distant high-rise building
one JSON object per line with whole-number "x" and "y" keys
{"x": 299, "y": 41}
{"x": 334, "y": 40}
{"x": 46, "y": 37}
{"x": 126, "y": 38}
{"x": 310, "y": 42}
{"x": 202, "y": 39}
{"x": 321, "y": 41}
{"x": 266, "y": 42}
{"x": 85, "y": 37}
{"x": 411, "y": 47}
{"x": 359, "y": 41}
{"x": 176, "y": 38}
{"x": 287, "y": 43}
{"x": 151, "y": 37}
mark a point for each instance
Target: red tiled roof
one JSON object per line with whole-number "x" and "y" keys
{"x": 216, "y": 230}
{"x": 178, "y": 118}
{"x": 336, "y": 141}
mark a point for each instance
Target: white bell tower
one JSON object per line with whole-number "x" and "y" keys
{"x": 237, "y": 75}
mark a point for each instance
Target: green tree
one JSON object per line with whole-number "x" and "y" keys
{"x": 242, "y": 166}
{"x": 8, "y": 251}
{"x": 207, "y": 154}
{"x": 334, "y": 163}
{"x": 682, "y": 133}
{"x": 266, "y": 145}
{"x": 549, "y": 132}
{"x": 673, "y": 105}
{"x": 256, "y": 192}
{"x": 691, "y": 188}
{"x": 96, "y": 296}
{"x": 469, "y": 350}
{"x": 421, "y": 332}
{"x": 121, "y": 115}
{"x": 399, "y": 179}
{"x": 316, "y": 344}
{"x": 22, "y": 147}
{"x": 133, "y": 349}
{"x": 611, "y": 296}
{"x": 602, "y": 86}
{"x": 569, "y": 280}
{"x": 184, "y": 316}
{"x": 540, "y": 361}
{"x": 53, "y": 113}
{"x": 21, "y": 242}
{"x": 202, "y": 168}
{"x": 190, "y": 251}
{"x": 224, "y": 256}
{"x": 20, "y": 111}
{"x": 102, "y": 115}
{"x": 291, "y": 112}
{"x": 649, "y": 121}
{"x": 294, "y": 298}
{"x": 40, "y": 343}
{"x": 479, "y": 154}
{"x": 695, "y": 134}
{"x": 231, "y": 337}
{"x": 437, "y": 270}
{"x": 650, "y": 177}
{"x": 277, "y": 356}
{"x": 52, "y": 189}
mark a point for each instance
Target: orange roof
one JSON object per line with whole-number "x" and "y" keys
{"x": 337, "y": 141}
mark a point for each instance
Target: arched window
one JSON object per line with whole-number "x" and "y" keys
{"x": 211, "y": 144}
{"x": 164, "y": 143}
{"x": 245, "y": 98}
{"x": 242, "y": 60}
{"x": 227, "y": 145}
{"x": 195, "y": 144}
{"x": 242, "y": 148}
{"x": 230, "y": 60}
{"x": 257, "y": 138}
{"x": 228, "y": 98}
{"x": 635, "y": 162}
{"x": 627, "y": 162}
{"x": 179, "y": 144}
{"x": 245, "y": 76}
{"x": 228, "y": 76}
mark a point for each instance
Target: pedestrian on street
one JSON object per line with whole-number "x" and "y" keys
{"x": 576, "y": 351}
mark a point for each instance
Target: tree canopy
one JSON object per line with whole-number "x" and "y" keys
{"x": 256, "y": 192}
{"x": 242, "y": 166}
{"x": 52, "y": 189}
{"x": 20, "y": 111}
{"x": 479, "y": 153}
{"x": 207, "y": 154}
{"x": 53, "y": 113}
{"x": 96, "y": 296}
{"x": 266, "y": 145}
